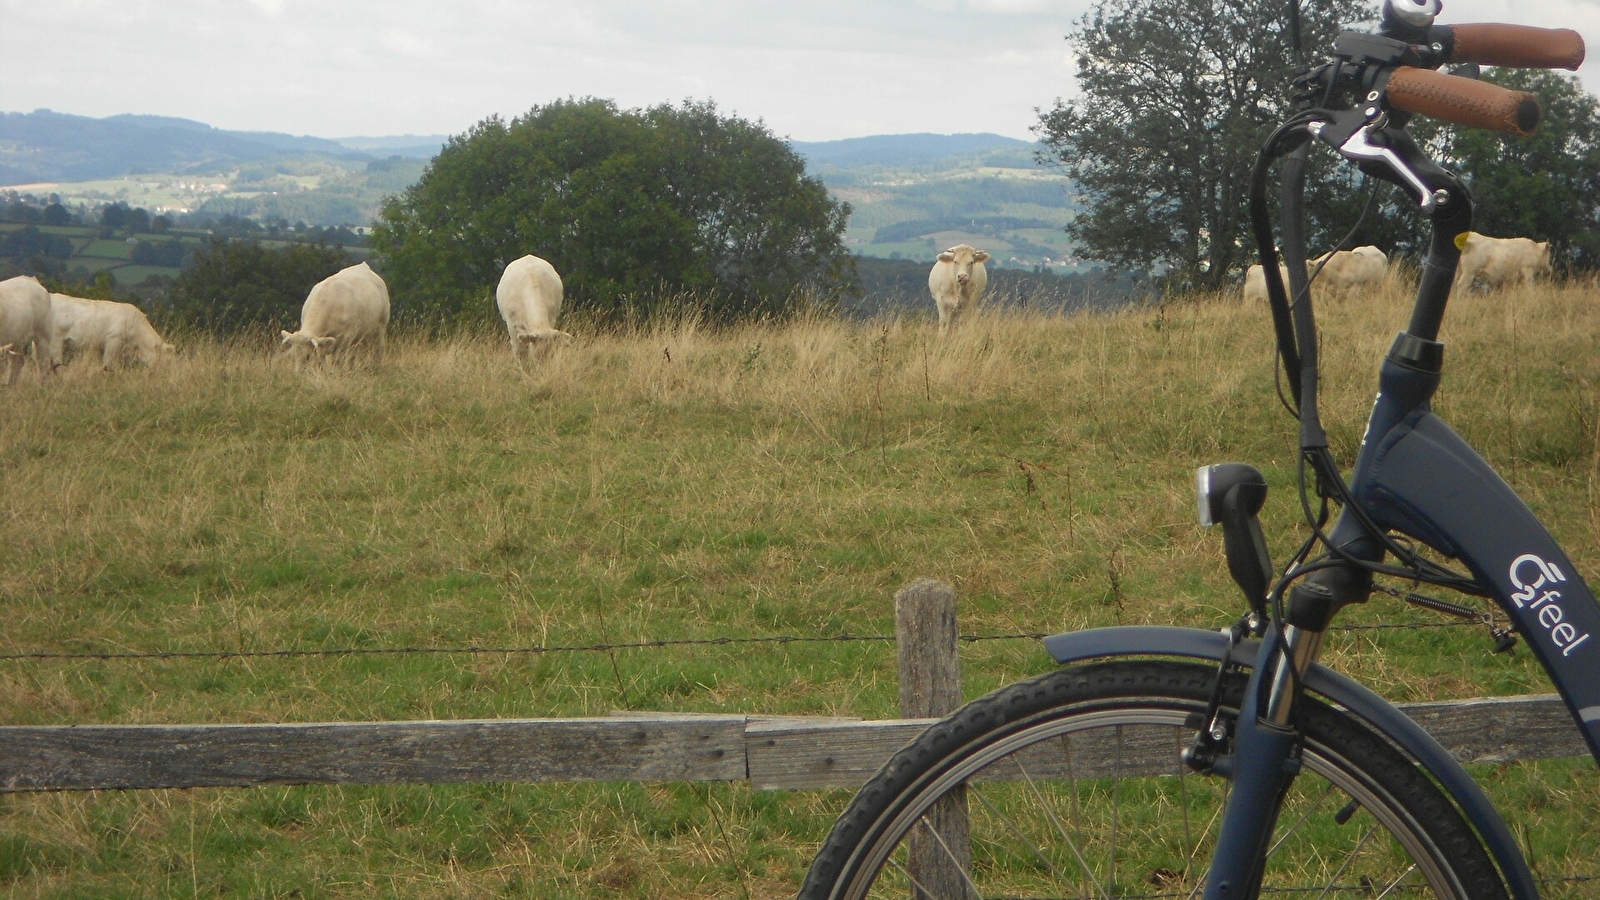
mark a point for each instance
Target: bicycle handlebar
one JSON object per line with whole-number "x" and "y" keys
{"x": 1522, "y": 46}
{"x": 1463, "y": 101}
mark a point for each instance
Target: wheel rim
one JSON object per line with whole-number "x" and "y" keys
{"x": 1061, "y": 806}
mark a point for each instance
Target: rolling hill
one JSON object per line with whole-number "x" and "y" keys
{"x": 911, "y": 195}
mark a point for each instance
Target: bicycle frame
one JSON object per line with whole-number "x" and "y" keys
{"x": 1413, "y": 476}
{"x": 1416, "y": 476}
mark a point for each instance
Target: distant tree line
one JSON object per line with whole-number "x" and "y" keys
{"x": 170, "y": 253}
{"x": 892, "y": 285}
{"x": 136, "y": 219}
{"x": 24, "y": 213}
{"x": 914, "y": 228}
{"x": 245, "y": 228}
{"x": 235, "y": 287}
{"x": 29, "y": 241}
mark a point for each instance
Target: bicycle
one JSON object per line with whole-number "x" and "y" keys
{"x": 1174, "y": 762}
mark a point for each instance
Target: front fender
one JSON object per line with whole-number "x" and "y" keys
{"x": 1194, "y": 643}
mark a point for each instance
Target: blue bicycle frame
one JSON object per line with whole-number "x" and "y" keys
{"x": 1413, "y": 476}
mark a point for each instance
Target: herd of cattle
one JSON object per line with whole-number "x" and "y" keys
{"x": 1494, "y": 261}
{"x": 347, "y": 313}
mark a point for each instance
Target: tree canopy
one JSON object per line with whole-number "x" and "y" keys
{"x": 630, "y": 206}
{"x": 1176, "y": 98}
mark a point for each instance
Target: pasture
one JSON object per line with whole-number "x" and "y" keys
{"x": 677, "y": 482}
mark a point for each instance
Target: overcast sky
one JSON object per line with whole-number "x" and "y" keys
{"x": 811, "y": 69}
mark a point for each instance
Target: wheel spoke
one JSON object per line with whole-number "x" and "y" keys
{"x": 1301, "y": 821}
{"x": 1396, "y": 883}
{"x": 1116, "y": 809}
{"x": 1183, "y": 800}
{"x": 955, "y": 861}
{"x": 909, "y": 877}
{"x": 1049, "y": 811}
{"x": 1068, "y": 783}
{"x": 1347, "y": 861}
{"x": 1216, "y": 815}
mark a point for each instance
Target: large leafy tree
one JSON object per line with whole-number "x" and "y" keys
{"x": 1175, "y": 98}
{"x": 631, "y": 207}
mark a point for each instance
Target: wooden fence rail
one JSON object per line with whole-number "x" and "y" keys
{"x": 770, "y": 753}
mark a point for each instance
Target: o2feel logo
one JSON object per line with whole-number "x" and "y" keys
{"x": 1537, "y": 582}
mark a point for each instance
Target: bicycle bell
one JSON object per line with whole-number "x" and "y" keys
{"x": 1415, "y": 13}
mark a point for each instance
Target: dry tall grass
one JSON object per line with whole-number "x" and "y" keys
{"x": 668, "y": 481}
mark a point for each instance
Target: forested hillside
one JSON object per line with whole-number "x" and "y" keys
{"x": 912, "y": 195}
{"x": 46, "y": 146}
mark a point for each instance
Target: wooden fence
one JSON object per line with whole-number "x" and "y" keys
{"x": 769, "y": 752}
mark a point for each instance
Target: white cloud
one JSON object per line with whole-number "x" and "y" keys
{"x": 1011, "y": 58}
{"x": 1019, "y": 6}
{"x": 826, "y": 69}
{"x": 405, "y": 43}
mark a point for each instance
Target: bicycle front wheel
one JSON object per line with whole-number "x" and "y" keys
{"x": 1071, "y": 785}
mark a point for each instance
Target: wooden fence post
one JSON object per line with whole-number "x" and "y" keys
{"x": 939, "y": 850}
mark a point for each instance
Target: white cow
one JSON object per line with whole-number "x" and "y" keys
{"x": 957, "y": 282}
{"x": 1349, "y": 272}
{"x": 529, "y": 297}
{"x": 1501, "y": 261}
{"x": 1255, "y": 282}
{"x": 119, "y": 331}
{"x": 25, "y": 321}
{"x": 346, "y": 311}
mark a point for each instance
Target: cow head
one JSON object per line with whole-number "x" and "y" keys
{"x": 1542, "y": 254}
{"x": 543, "y": 341}
{"x": 299, "y": 344}
{"x": 963, "y": 258}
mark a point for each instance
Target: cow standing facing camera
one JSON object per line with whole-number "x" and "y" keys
{"x": 957, "y": 282}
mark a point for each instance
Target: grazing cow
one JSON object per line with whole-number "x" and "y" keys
{"x": 119, "y": 331}
{"x": 346, "y": 311}
{"x": 957, "y": 282}
{"x": 25, "y": 321}
{"x": 1501, "y": 261}
{"x": 529, "y": 297}
{"x": 1348, "y": 272}
{"x": 1255, "y": 282}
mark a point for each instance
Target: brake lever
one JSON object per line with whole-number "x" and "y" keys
{"x": 1356, "y": 144}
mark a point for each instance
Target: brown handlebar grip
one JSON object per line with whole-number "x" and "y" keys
{"x": 1522, "y": 46}
{"x": 1463, "y": 101}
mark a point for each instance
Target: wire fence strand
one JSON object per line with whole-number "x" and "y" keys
{"x": 540, "y": 649}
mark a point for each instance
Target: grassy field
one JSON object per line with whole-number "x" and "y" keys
{"x": 679, "y": 482}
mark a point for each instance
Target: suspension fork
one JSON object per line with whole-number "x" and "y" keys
{"x": 1263, "y": 764}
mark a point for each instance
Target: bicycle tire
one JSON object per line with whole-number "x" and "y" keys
{"x": 1361, "y": 819}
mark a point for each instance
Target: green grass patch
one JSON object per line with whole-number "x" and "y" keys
{"x": 677, "y": 483}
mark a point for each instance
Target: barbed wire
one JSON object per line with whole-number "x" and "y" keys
{"x": 540, "y": 649}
